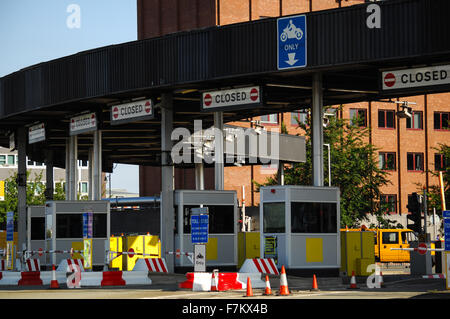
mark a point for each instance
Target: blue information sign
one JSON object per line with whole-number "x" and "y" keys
{"x": 291, "y": 40}
{"x": 87, "y": 225}
{"x": 447, "y": 233}
{"x": 9, "y": 226}
{"x": 199, "y": 228}
{"x": 446, "y": 214}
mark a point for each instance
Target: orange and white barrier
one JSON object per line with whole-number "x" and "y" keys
{"x": 199, "y": 281}
{"x": 151, "y": 265}
{"x": 259, "y": 265}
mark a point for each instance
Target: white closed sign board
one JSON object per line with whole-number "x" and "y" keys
{"x": 36, "y": 133}
{"x": 133, "y": 111}
{"x": 410, "y": 78}
{"x": 229, "y": 99}
{"x": 83, "y": 123}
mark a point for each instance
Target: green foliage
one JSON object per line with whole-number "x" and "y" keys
{"x": 35, "y": 193}
{"x": 354, "y": 169}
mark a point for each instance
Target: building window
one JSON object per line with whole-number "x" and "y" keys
{"x": 2, "y": 159}
{"x": 11, "y": 159}
{"x": 387, "y": 161}
{"x": 441, "y": 120}
{"x": 83, "y": 187}
{"x": 415, "y": 161}
{"x": 389, "y": 203}
{"x": 386, "y": 119}
{"x": 358, "y": 117}
{"x": 415, "y": 122}
{"x": 269, "y": 119}
{"x": 440, "y": 162}
{"x": 299, "y": 117}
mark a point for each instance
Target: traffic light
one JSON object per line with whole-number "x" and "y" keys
{"x": 415, "y": 216}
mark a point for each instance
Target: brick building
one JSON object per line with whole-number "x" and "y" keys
{"x": 406, "y": 147}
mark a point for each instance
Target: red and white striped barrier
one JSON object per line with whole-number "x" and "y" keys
{"x": 260, "y": 265}
{"x": 151, "y": 265}
{"x": 65, "y": 263}
{"x": 33, "y": 265}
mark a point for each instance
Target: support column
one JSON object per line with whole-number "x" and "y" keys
{"x": 167, "y": 185}
{"x": 90, "y": 170}
{"x": 21, "y": 188}
{"x": 97, "y": 166}
{"x": 71, "y": 166}
{"x": 49, "y": 188}
{"x": 218, "y": 152}
{"x": 199, "y": 177}
{"x": 317, "y": 130}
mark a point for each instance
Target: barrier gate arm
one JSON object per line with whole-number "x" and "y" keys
{"x": 419, "y": 249}
{"x": 178, "y": 254}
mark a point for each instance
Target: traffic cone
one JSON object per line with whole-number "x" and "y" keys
{"x": 249, "y": 288}
{"x": 268, "y": 290}
{"x": 284, "y": 290}
{"x": 353, "y": 281}
{"x": 314, "y": 285}
{"x": 54, "y": 283}
{"x": 214, "y": 283}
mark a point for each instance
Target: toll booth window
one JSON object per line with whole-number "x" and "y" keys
{"x": 221, "y": 219}
{"x": 69, "y": 225}
{"x": 390, "y": 238}
{"x": 274, "y": 218}
{"x": 37, "y": 228}
{"x": 99, "y": 226}
{"x": 313, "y": 217}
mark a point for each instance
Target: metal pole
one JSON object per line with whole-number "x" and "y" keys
{"x": 218, "y": 152}
{"x": 167, "y": 175}
{"x": 317, "y": 130}
{"x": 199, "y": 177}
{"x": 425, "y": 215}
{"x": 21, "y": 187}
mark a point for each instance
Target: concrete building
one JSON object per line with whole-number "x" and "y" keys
{"x": 8, "y": 167}
{"x": 406, "y": 148}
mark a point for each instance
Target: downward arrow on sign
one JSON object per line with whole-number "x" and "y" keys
{"x": 292, "y": 59}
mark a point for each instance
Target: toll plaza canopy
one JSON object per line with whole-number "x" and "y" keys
{"x": 344, "y": 45}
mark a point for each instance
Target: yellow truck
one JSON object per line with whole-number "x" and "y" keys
{"x": 385, "y": 239}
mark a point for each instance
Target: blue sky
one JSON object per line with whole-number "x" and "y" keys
{"x": 35, "y": 31}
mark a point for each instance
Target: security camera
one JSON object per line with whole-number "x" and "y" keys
{"x": 406, "y": 111}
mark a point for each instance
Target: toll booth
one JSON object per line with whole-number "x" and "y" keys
{"x": 299, "y": 228}
{"x": 221, "y": 249}
{"x": 64, "y": 227}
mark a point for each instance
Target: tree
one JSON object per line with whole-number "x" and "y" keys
{"x": 434, "y": 192}
{"x": 354, "y": 169}
{"x": 35, "y": 193}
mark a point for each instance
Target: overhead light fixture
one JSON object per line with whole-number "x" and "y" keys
{"x": 289, "y": 86}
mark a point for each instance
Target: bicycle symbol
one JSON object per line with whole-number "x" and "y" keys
{"x": 291, "y": 32}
